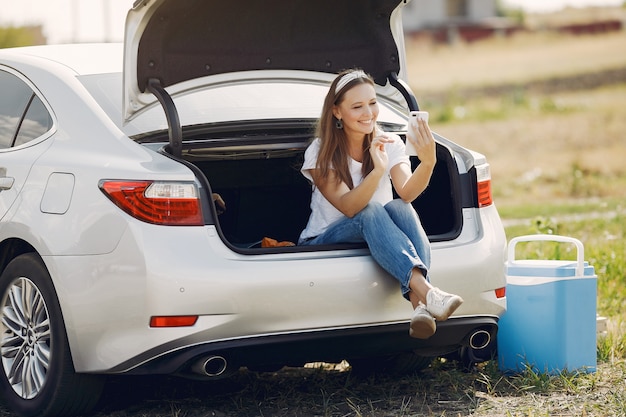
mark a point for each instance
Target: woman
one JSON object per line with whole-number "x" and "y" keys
{"x": 350, "y": 164}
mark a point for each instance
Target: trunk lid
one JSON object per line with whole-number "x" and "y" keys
{"x": 193, "y": 43}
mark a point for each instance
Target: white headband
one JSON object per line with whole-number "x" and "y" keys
{"x": 346, "y": 78}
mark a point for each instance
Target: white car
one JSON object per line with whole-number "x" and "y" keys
{"x": 113, "y": 258}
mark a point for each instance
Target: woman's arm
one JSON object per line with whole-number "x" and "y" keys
{"x": 409, "y": 185}
{"x": 348, "y": 201}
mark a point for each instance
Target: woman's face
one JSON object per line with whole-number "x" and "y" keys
{"x": 358, "y": 110}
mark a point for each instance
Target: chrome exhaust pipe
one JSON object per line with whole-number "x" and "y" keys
{"x": 210, "y": 366}
{"x": 479, "y": 339}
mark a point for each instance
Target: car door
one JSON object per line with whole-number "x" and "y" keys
{"x": 24, "y": 119}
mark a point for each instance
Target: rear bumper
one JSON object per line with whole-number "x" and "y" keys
{"x": 334, "y": 345}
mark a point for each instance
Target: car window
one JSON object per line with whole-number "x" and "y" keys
{"x": 13, "y": 100}
{"x": 18, "y": 98}
{"x": 36, "y": 122}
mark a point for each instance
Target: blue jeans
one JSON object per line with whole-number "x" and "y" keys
{"x": 394, "y": 234}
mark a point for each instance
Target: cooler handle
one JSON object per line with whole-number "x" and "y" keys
{"x": 580, "y": 258}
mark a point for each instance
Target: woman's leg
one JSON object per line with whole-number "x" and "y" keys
{"x": 390, "y": 247}
{"x": 394, "y": 251}
{"x": 404, "y": 216}
{"x": 439, "y": 303}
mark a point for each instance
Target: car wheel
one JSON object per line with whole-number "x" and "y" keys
{"x": 37, "y": 377}
{"x": 402, "y": 363}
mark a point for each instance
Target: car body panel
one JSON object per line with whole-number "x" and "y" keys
{"x": 104, "y": 149}
{"x": 14, "y": 168}
{"x": 239, "y": 296}
{"x": 15, "y": 173}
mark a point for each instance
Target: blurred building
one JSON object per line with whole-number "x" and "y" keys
{"x": 427, "y": 14}
{"x": 452, "y": 20}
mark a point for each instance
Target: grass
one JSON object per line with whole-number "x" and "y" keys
{"x": 515, "y": 102}
{"x": 443, "y": 389}
{"x": 605, "y": 249}
{"x": 539, "y": 156}
{"x": 562, "y": 208}
{"x": 602, "y": 393}
{"x": 517, "y": 60}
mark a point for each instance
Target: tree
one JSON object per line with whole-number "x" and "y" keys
{"x": 12, "y": 36}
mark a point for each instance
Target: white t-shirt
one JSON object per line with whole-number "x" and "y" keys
{"x": 323, "y": 213}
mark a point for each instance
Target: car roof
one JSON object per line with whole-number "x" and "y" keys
{"x": 107, "y": 59}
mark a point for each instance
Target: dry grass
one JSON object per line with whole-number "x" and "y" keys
{"x": 522, "y": 58}
{"x": 539, "y": 143}
{"x": 546, "y": 153}
{"x": 441, "y": 390}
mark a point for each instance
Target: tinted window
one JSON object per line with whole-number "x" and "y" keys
{"x": 15, "y": 99}
{"x": 36, "y": 122}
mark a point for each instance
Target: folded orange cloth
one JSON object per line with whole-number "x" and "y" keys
{"x": 268, "y": 242}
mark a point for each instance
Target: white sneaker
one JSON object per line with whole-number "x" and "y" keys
{"x": 422, "y": 323}
{"x": 441, "y": 304}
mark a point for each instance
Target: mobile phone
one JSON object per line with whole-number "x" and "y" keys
{"x": 413, "y": 117}
{"x": 419, "y": 114}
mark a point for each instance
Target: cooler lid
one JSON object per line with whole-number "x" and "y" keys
{"x": 548, "y": 269}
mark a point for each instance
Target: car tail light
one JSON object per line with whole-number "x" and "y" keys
{"x": 500, "y": 292}
{"x": 173, "y": 321}
{"x": 164, "y": 203}
{"x": 483, "y": 185}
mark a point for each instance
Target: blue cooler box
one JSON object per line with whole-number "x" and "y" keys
{"x": 550, "y": 322}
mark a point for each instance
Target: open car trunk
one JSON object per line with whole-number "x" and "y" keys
{"x": 173, "y": 47}
{"x": 257, "y": 173}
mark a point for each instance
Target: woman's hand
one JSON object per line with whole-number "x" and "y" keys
{"x": 409, "y": 185}
{"x": 378, "y": 152}
{"x": 423, "y": 141}
{"x": 351, "y": 201}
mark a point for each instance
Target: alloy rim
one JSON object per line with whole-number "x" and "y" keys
{"x": 26, "y": 339}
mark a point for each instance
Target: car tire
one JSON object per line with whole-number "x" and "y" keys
{"x": 37, "y": 376}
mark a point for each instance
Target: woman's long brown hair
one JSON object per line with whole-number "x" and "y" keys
{"x": 333, "y": 153}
